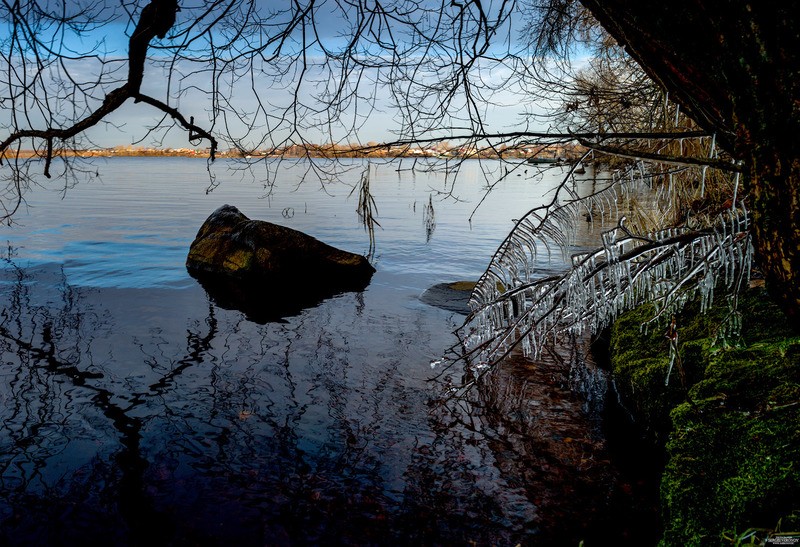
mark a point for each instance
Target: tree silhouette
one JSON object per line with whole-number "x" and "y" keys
{"x": 715, "y": 93}
{"x": 734, "y": 69}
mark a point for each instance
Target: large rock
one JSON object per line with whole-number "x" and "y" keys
{"x": 269, "y": 271}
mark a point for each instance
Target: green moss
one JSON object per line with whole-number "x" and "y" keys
{"x": 462, "y": 285}
{"x": 238, "y": 261}
{"x": 640, "y": 361}
{"x": 732, "y": 433}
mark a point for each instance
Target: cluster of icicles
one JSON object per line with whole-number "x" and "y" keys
{"x": 513, "y": 306}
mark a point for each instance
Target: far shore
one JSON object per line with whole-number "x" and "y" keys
{"x": 539, "y": 154}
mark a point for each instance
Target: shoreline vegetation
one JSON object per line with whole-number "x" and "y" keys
{"x": 566, "y": 153}
{"x": 727, "y": 422}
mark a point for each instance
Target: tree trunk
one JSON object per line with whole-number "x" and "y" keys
{"x": 775, "y": 202}
{"x": 734, "y": 67}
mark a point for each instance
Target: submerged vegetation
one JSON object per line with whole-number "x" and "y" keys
{"x": 729, "y": 423}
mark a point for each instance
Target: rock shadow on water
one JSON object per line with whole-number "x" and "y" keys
{"x": 268, "y": 271}
{"x": 269, "y": 299}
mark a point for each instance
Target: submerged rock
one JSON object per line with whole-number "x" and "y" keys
{"x": 450, "y": 296}
{"x": 267, "y": 270}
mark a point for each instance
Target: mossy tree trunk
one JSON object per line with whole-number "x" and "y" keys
{"x": 734, "y": 67}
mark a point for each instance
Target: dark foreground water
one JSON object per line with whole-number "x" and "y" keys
{"x": 134, "y": 410}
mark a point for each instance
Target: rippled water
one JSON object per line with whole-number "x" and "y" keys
{"x": 136, "y": 410}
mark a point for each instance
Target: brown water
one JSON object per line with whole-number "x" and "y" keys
{"x": 136, "y": 410}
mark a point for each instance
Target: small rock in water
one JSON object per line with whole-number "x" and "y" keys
{"x": 450, "y": 296}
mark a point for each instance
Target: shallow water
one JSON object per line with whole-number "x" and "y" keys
{"x": 134, "y": 409}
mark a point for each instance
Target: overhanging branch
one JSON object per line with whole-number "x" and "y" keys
{"x": 155, "y": 20}
{"x": 195, "y": 131}
{"x": 670, "y": 160}
{"x": 112, "y": 102}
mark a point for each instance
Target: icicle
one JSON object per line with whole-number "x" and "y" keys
{"x": 588, "y": 299}
{"x": 703, "y": 182}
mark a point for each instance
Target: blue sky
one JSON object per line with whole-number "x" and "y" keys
{"x": 131, "y": 121}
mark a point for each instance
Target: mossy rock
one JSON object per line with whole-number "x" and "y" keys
{"x": 230, "y": 244}
{"x": 641, "y": 366}
{"x": 269, "y": 271}
{"x": 732, "y": 432}
{"x": 450, "y": 296}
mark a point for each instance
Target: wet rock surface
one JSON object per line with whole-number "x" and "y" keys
{"x": 230, "y": 244}
{"x": 269, "y": 271}
{"x": 450, "y": 296}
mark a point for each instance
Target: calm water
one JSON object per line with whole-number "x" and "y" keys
{"x": 134, "y": 410}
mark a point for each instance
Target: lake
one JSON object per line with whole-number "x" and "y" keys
{"x": 136, "y": 410}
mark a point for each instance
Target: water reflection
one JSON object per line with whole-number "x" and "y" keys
{"x": 203, "y": 427}
{"x": 158, "y": 415}
{"x": 272, "y": 300}
{"x": 224, "y": 439}
{"x": 531, "y": 459}
{"x": 71, "y": 443}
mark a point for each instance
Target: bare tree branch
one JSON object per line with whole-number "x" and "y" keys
{"x": 156, "y": 19}
{"x": 628, "y": 152}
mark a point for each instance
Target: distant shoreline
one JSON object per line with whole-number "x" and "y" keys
{"x": 567, "y": 153}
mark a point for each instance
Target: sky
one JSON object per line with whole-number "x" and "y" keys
{"x": 501, "y": 111}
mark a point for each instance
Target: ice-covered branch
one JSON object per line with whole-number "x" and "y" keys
{"x": 513, "y": 306}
